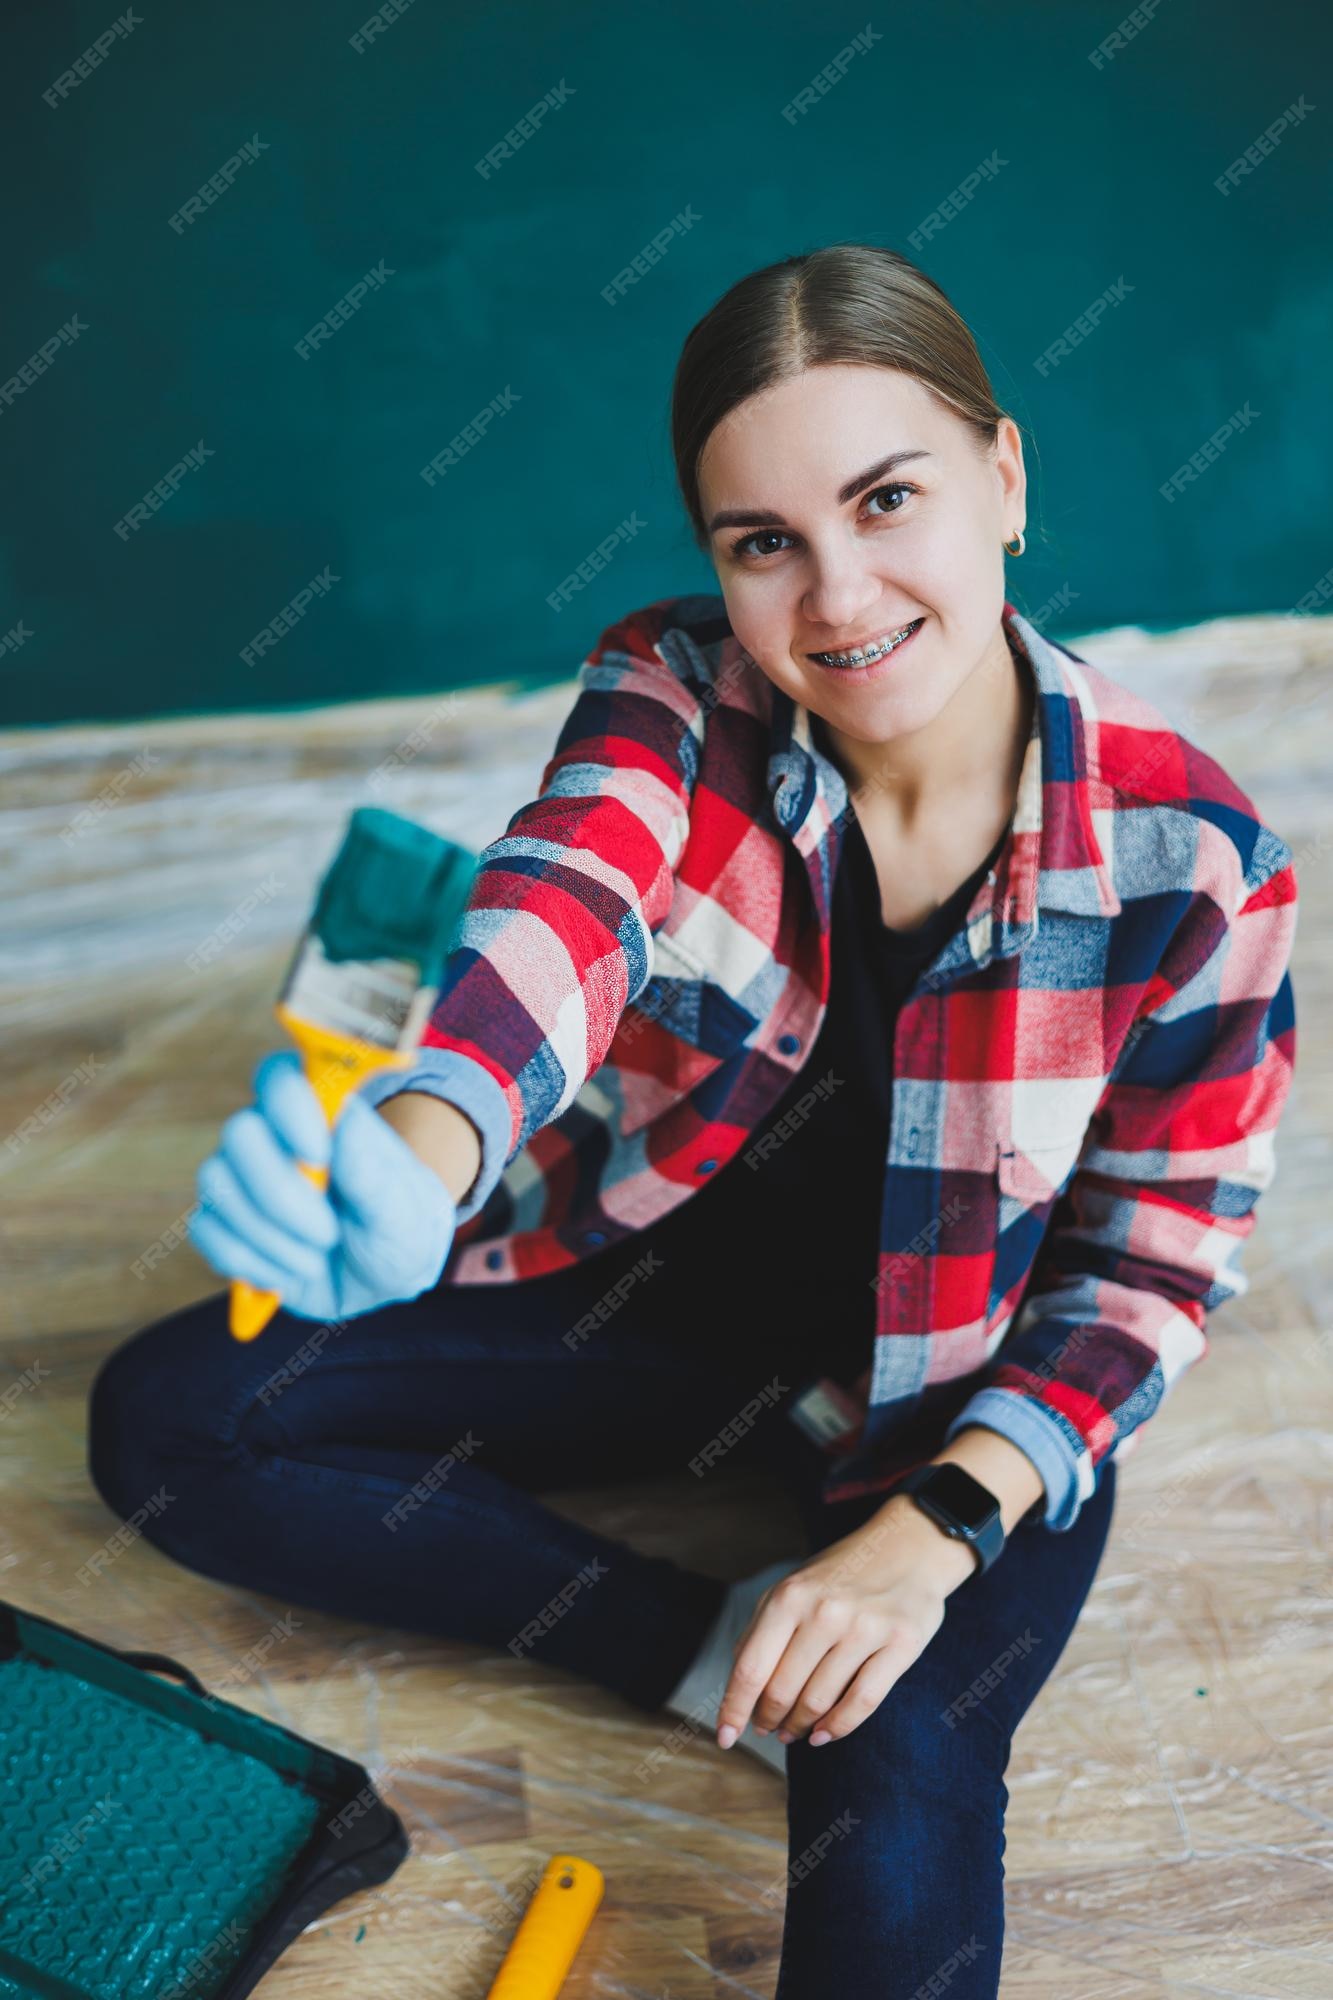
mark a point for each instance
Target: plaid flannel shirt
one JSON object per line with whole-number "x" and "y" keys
{"x": 1087, "y": 1077}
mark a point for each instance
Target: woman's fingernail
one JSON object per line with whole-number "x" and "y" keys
{"x": 726, "y": 1735}
{"x": 759, "y": 1728}
{"x": 786, "y": 1736}
{"x": 822, "y": 1736}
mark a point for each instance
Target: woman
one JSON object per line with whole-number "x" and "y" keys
{"x": 862, "y": 1059}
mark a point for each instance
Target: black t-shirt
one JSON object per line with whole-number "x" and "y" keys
{"x": 796, "y": 1237}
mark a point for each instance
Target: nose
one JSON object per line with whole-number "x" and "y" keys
{"x": 842, "y": 594}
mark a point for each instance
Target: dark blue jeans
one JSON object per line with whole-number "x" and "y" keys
{"x": 389, "y": 1472}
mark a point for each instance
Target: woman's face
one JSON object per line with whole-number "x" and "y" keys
{"x": 815, "y": 557}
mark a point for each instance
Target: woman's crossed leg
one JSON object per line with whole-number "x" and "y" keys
{"x": 385, "y": 1468}
{"x": 894, "y": 1883}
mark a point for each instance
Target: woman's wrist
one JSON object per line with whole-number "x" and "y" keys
{"x": 1002, "y": 1468}
{"x": 441, "y": 1135}
{"x": 945, "y": 1559}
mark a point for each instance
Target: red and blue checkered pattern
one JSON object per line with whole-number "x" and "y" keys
{"x": 1087, "y": 1078}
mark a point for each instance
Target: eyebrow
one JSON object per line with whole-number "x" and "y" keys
{"x": 748, "y": 517}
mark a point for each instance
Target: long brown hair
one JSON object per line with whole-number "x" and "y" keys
{"x": 848, "y": 302}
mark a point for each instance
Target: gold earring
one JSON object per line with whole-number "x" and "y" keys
{"x": 1010, "y": 550}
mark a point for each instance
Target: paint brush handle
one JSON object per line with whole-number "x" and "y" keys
{"x": 249, "y": 1309}
{"x": 554, "y": 1925}
{"x": 335, "y": 1065}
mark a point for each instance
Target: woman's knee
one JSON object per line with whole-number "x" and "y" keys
{"x": 900, "y": 1811}
{"x": 912, "y": 1755}
{"x": 152, "y": 1405}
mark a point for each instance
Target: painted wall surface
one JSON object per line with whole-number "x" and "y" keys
{"x": 454, "y": 191}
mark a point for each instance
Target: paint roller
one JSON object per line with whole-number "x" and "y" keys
{"x": 554, "y": 1925}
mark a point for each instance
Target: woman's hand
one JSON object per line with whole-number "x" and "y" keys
{"x": 828, "y": 1641}
{"x": 381, "y": 1231}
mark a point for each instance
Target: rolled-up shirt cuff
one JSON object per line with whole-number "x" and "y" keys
{"x": 1037, "y": 1432}
{"x": 459, "y": 1081}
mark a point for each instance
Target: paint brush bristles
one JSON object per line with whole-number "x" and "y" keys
{"x": 376, "y": 1000}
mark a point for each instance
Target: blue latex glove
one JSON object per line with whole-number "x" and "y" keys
{"x": 381, "y": 1231}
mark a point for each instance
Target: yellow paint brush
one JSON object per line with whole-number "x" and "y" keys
{"x": 366, "y": 974}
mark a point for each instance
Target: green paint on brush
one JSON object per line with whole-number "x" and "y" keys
{"x": 393, "y": 890}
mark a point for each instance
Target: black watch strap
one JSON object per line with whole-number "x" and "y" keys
{"x": 987, "y": 1538}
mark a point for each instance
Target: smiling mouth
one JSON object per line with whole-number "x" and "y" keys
{"x": 876, "y": 650}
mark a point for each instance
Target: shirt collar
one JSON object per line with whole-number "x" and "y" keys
{"x": 1053, "y": 856}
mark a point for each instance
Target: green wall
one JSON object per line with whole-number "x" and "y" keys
{"x": 491, "y": 295}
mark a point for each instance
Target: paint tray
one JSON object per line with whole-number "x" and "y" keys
{"x": 157, "y": 1843}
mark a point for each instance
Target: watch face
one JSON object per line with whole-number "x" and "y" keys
{"x": 962, "y": 1494}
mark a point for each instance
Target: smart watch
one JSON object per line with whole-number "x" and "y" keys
{"x": 961, "y": 1505}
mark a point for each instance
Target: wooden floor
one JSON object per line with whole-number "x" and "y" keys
{"x": 1171, "y": 1820}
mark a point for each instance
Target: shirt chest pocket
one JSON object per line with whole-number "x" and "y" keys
{"x": 1045, "y": 1124}
{"x": 1036, "y": 1172}
{"x": 696, "y": 1025}
{"x": 686, "y": 997}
